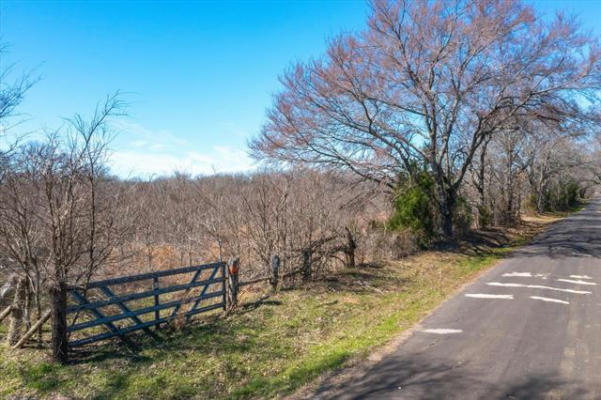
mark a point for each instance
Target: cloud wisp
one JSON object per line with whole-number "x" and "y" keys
{"x": 150, "y": 154}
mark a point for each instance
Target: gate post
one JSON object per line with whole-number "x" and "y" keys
{"x": 233, "y": 269}
{"x": 58, "y": 304}
{"x": 157, "y": 312}
{"x": 275, "y": 269}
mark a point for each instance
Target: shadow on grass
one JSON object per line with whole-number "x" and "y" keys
{"x": 360, "y": 281}
{"x": 206, "y": 335}
{"x": 115, "y": 384}
{"x": 43, "y": 377}
{"x": 253, "y": 305}
{"x": 286, "y": 383}
{"x": 163, "y": 367}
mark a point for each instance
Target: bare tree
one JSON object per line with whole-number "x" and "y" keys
{"x": 549, "y": 154}
{"x": 427, "y": 84}
{"x": 12, "y": 91}
{"x": 79, "y": 226}
{"x": 57, "y": 223}
{"x": 21, "y": 239}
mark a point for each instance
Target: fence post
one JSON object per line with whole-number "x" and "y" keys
{"x": 275, "y": 269}
{"x": 350, "y": 249}
{"x": 233, "y": 269}
{"x": 58, "y": 304}
{"x": 306, "y": 264}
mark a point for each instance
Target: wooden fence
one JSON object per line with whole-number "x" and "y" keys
{"x": 115, "y": 307}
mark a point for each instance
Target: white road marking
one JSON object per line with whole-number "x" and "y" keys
{"x": 577, "y": 282}
{"x": 524, "y": 275}
{"x": 549, "y": 300}
{"x": 580, "y": 277}
{"x": 442, "y": 331}
{"x": 489, "y": 296}
{"x": 537, "y": 287}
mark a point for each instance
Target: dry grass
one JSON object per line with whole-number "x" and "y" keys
{"x": 271, "y": 347}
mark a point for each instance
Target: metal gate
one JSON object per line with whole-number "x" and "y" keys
{"x": 116, "y": 307}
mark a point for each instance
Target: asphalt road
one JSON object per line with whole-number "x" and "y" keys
{"x": 530, "y": 328}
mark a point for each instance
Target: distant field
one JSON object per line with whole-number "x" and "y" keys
{"x": 274, "y": 346}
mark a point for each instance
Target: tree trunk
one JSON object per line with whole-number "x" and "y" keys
{"x": 17, "y": 312}
{"x": 446, "y": 199}
{"x": 58, "y": 303}
{"x": 351, "y": 246}
{"x": 307, "y": 264}
{"x": 509, "y": 190}
{"x": 447, "y": 226}
{"x": 482, "y": 174}
{"x": 38, "y": 302}
{"x": 447, "y": 208}
{"x": 540, "y": 193}
{"x": 28, "y": 304}
{"x": 539, "y": 203}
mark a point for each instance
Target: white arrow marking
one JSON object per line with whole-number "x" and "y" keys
{"x": 577, "y": 282}
{"x": 442, "y": 331}
{"x": 489, "y": 296}
{"x": 549, "y": 300}
{"x": 537, "y": 287}
{"x": 580, "y": 277}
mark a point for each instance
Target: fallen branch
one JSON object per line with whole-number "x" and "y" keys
{"x": 32, "y": 330}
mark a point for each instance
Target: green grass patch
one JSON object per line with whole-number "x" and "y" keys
{"x": 261, "y": 351}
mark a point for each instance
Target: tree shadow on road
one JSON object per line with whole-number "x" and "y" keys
{"x": 414, "y": 376}
{"x": 577, "y": 237}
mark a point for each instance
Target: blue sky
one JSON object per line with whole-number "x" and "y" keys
{"x": 198, "y": 76}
